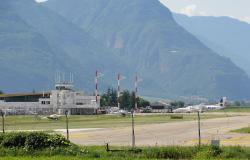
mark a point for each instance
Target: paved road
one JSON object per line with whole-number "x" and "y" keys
{"x": 176, "y": 133}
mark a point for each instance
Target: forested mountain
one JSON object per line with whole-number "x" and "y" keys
{"x": 148, "y": 39}
{"x": 227, "y": 36}
{"x": 35, "y": 43}
{"x": 127, "y": 36}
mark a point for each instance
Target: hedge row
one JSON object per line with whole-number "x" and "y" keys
{"x": 32, "y": 140}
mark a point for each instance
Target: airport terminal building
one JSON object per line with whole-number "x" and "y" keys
{"x": 57, "y": 101}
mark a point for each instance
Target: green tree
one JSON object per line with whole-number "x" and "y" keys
{"x": 178, "y": 104}
{"x": 1, "y": 92}
{"x": 109, "y": 98}
{"x": 143, "y": 103}
{"x": 237, "y": 103}
{"x": 125, "y": 100}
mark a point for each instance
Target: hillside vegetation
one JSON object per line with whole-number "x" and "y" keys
{"x": 147, "y": 38}
{"x": 129, "y": 37}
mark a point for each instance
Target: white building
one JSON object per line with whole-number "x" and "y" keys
{"x": 63, "y": 98}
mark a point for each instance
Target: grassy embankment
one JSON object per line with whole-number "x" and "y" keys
{"x": 242, "y": 130}
{"x": 99, "y": 153}
{"x": 96, "y": 121}
{"x": 40, "y": 145}
{"x": 244, "y": 109}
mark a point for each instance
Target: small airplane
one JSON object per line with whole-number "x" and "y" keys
{"x": 54, "y": 117}
{"x": 202, "y": 107}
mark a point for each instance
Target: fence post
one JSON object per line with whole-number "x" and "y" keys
{"x": 199, "y": 128}
{"x": 3, "y": 125}
{"x": 133, "y": 129}
{"x": 67, "y": 124}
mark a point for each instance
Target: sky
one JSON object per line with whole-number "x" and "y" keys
{"x": 233, "y": 8}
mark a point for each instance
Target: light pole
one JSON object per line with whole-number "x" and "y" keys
{"x": 199, "y": 128}
{"x": 67, "y": 123}
{"x": 3, "y": 125}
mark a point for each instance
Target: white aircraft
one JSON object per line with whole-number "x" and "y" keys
{"x": 202, "y": 107}
{"x": 54, "y": 116}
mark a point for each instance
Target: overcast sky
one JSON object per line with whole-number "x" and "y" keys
{"x": 239, "y": 9}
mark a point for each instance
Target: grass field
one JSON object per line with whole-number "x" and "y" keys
{"x": 235, "y": 109}
{"x": 99, "y": 153}
{"x": 94, "y": 121}
{"x": 242, "y": 130}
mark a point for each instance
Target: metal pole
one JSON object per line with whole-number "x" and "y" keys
{"x": 133, "y": 129}
{"x": 67, "y": 124}
{"x": 136, "y": 90}
{"x": 96, "y": 86}
{"x": 118, "y": 91}
{"x": 3, "y": 125}
{"x": 199, "y": 128}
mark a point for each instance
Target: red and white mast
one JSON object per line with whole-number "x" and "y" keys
{"x": 137, "y": 80}
{"x": 96, "y": 86}
{"x": 97, "y": 76}
{"x": 119, "y": 78}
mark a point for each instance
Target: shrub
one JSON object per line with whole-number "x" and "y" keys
{"x": 32, "y": 140}
{"x": 176, "y": 117}
{"x": 57, "y": 140}
{"x": 37, "y": 140}
{"x": 11, "y": 140}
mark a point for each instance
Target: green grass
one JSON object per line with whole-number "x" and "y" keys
{"x": 235, "y": 109}
{"x": 99, "y": 153}
{"x": 242, "y": 130}
{"x": 96, "y": 121}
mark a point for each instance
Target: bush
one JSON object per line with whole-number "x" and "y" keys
{"x": 176, "y": 117}
{"x": 13, "y": 140}
{"x": 32, "y": 140}
{"x": 37, "y": 140}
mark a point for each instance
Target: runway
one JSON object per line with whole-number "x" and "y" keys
{"x": 175, "y": 133}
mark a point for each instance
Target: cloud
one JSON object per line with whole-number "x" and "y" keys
{"x": 40, "y": 1}
{"x": 191, "y": 10}
{"x": 245, "y": 19}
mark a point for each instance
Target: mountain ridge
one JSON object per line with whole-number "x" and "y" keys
{"x": 230, "y": 41}
{"x": 147, "y": 38}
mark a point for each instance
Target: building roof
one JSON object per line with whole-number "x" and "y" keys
{"x": 22, "y": 94}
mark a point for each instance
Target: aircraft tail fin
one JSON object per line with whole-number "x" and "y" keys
{"x": 223, "y": 102}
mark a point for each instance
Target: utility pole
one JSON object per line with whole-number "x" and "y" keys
{"x": 3, "y": 125}
{"x": 199, "y": 128}
{"x": 133, "y": 129}
{"x": 67, "y": 123}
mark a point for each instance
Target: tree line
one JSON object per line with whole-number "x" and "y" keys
{"x": 126, "y": 99}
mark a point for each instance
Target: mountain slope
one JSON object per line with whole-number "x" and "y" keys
{"x": 19, "y": 44}
{"x": 36, "y": 43}
{"x": 146, "y": 36}
{"x": 227, "y": 36}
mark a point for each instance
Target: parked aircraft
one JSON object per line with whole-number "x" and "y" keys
{"x": 202, "y": 107}
{"x": 54, "y": 117}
